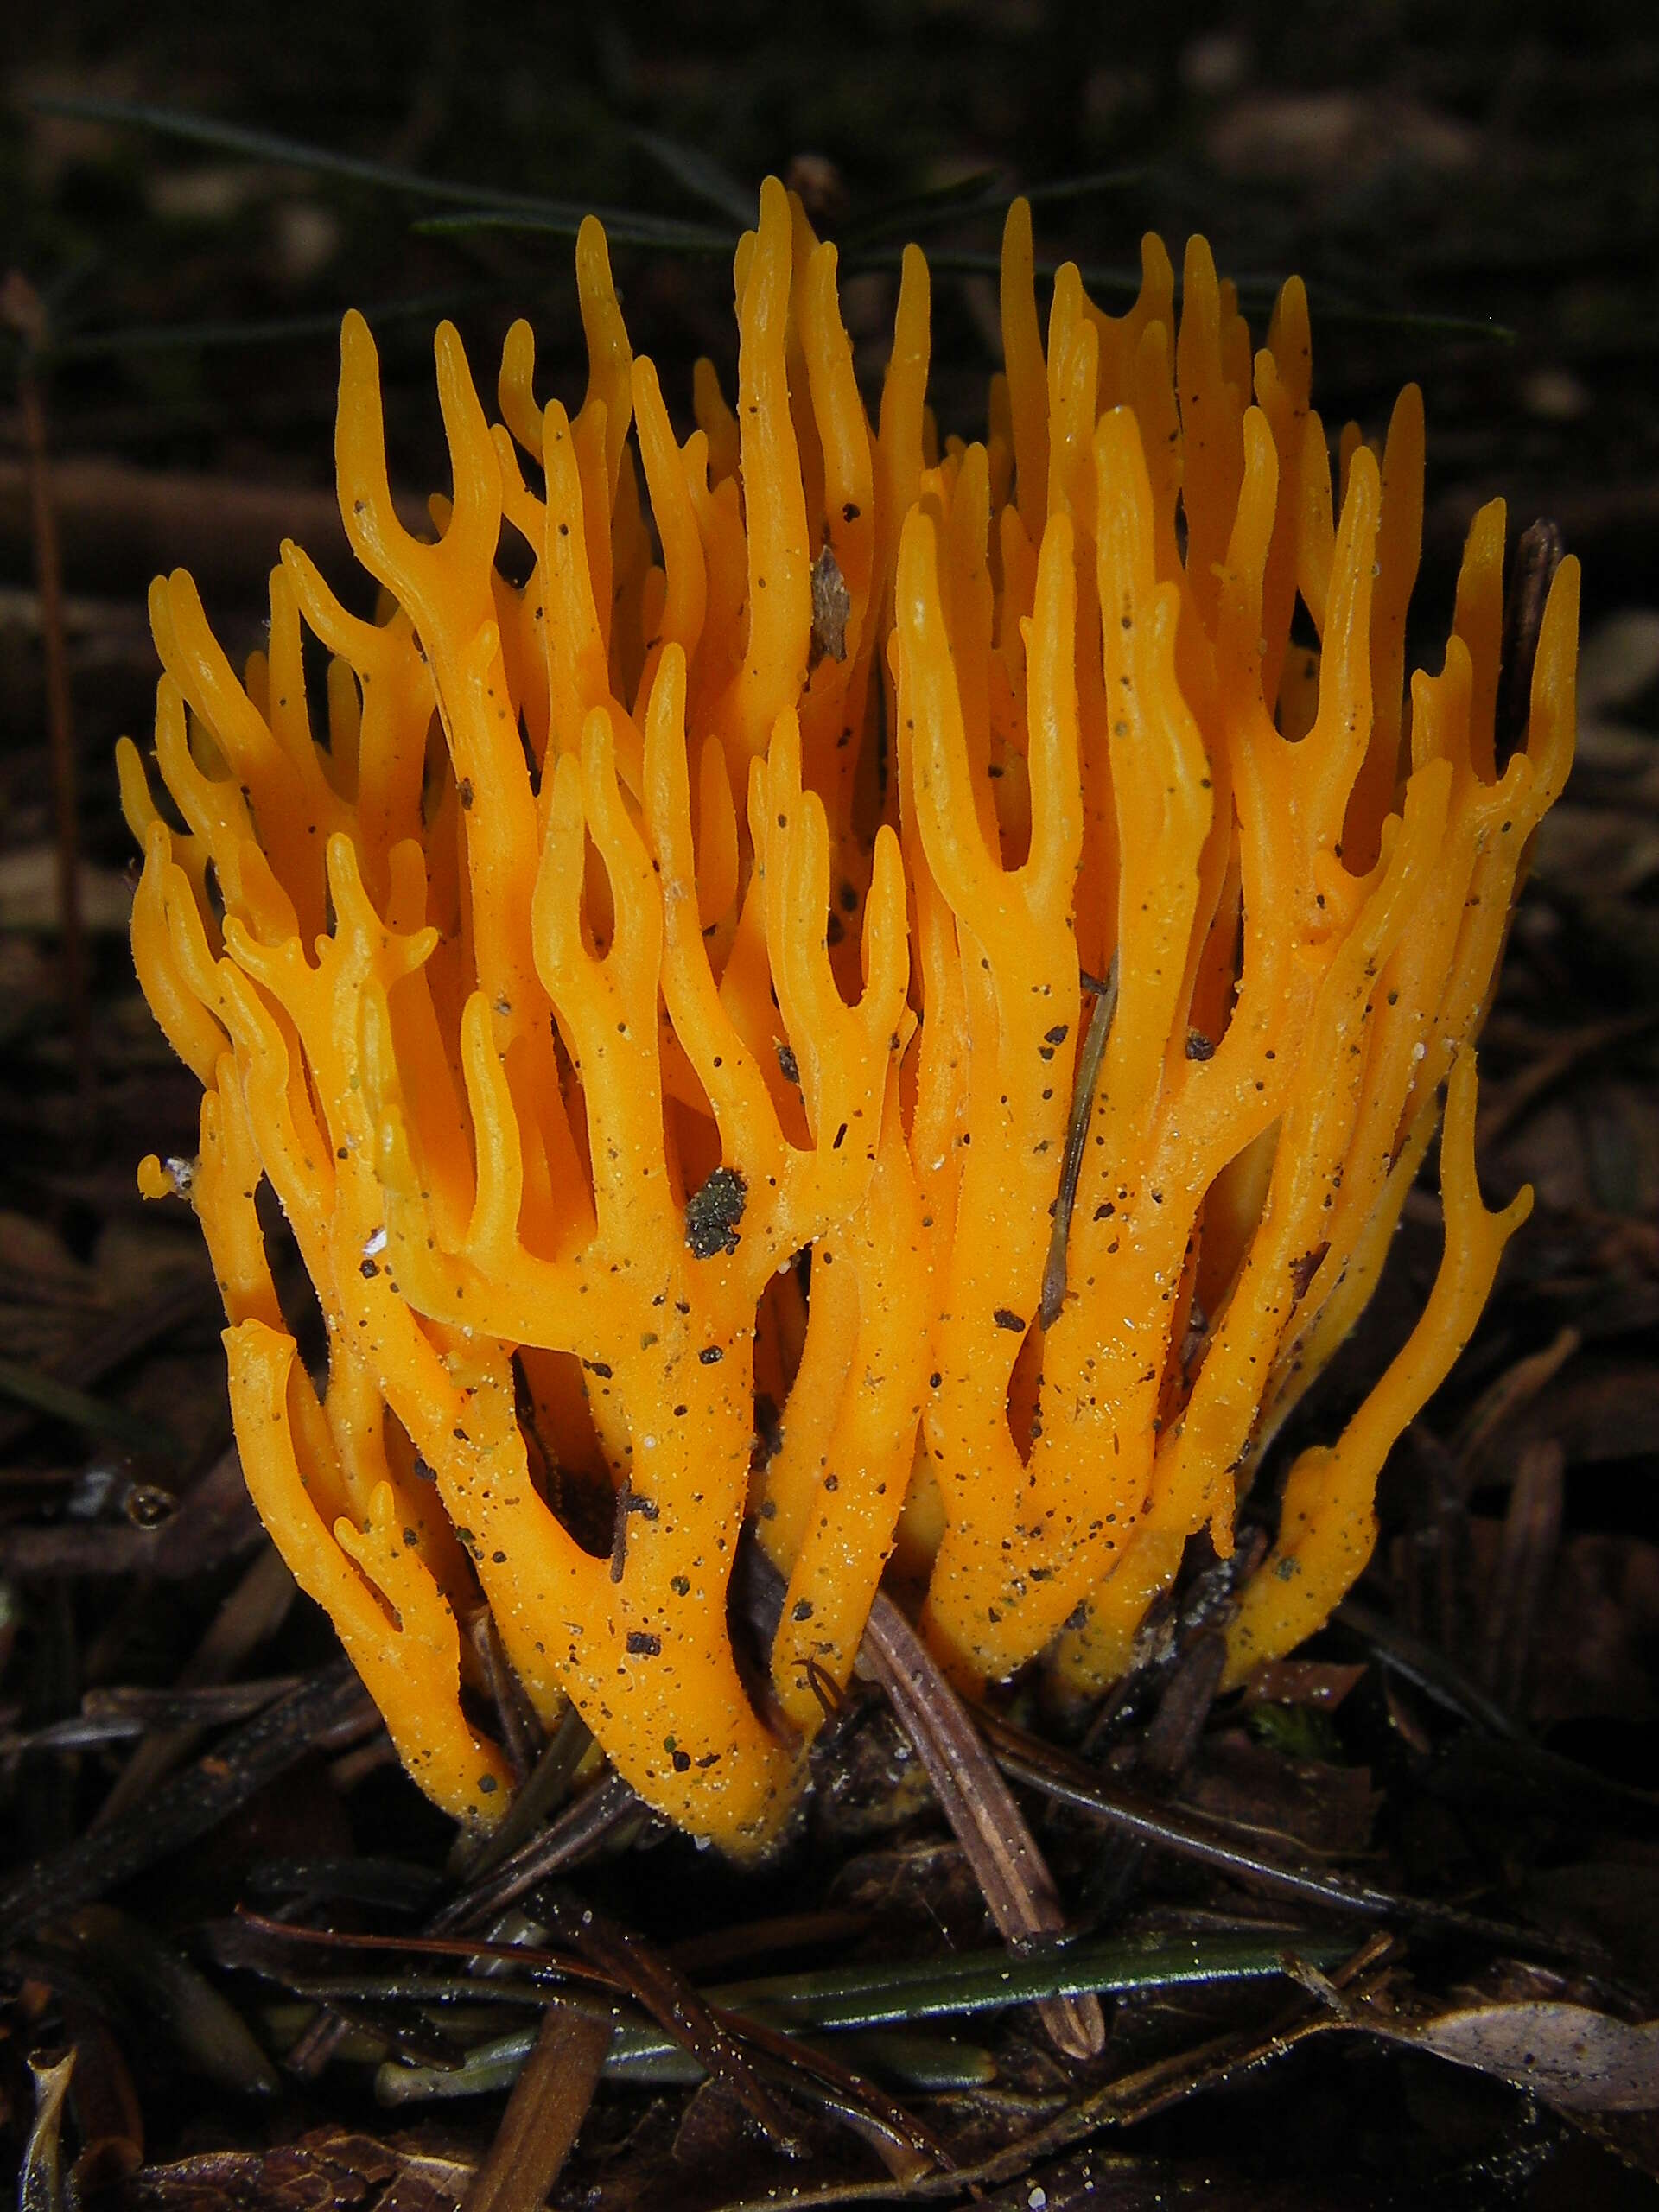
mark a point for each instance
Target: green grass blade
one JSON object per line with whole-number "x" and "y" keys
{"x": 883, "y": 1995}
{"x": 666, "y": 233}
{"x": 700, "y": 174}
{"x": 270, "y": 330}
{"x": 57, "y": 1401}
{"x": 565, "y": 216}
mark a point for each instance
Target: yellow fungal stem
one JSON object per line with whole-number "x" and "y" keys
{"x": 779, "y": 624}
{"x": 397, "y": 1631}
{"x": 655, "y": 993}
{"x": 1328, "y": 1522}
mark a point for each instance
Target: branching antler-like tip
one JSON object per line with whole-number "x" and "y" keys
{"x": 1361, "y": 504}
{"x": 476, "y": 471}
{"x": 161, "y": 617}
{"x": 609, "y": 1089}
{"x": 366, "y": 502}
{"x": 515, "y": 387}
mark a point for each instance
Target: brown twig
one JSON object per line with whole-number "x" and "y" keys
{"x": 113, "y": 1344}
{"x": 667, "y": 1997}
{"x": 1166, "y": 1750}
{"x": 1537, "y": 556}
{"x": 232, "y": 1948}
{"x": 520, "y": 1734}
{"x": 1531, "y": 1541}
{"x": 1077, "y": 1137}
{"x": 117, "y": 520}
{"x": 215, "y": 1523}
{"x": 1204, "y": 1837}
{"x": 254, "y": 1611}
{"x": 980, "y": 1808}
{"x": 186, "y": 1805}
{"x": 905, "y": 2146}
{"x": 544, "y": 2116}
{"x": 564, "y": 1843}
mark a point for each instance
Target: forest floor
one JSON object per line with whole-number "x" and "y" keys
{"x": 1473, "y": 1745}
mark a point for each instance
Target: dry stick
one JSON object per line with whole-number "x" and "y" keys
{"x": 114, "y": 1716}
{"x": 544, "y": 2115}
{"x": 1118, "y": 2103}
{"x": 1189, "y": 1834}
{"x": 726, "y": 2044}
{"x": 579, "y": 1829}
{"x": 662, "y": 1992}
{"x": 980, "y": 1808}
{"x": 112, "y": 1346}
{"x": 562, "y": 1845}
{"x": 1531, "y": 1540}
{"x": 117, "y": 520}
{"x": 253, "y": 1612}
{"x": 1168, "y": 1748}
{"x": 903, "y": 2144}
{"x": 22, "y": 310}
{"x": 545, "y": 1789}
{"x": 186, "y": 1805}
{"x": 1537, "y": 556}
{"x": 512, "y": 1708}
{"x": 1077, "y": 1137}
{"x": 215, "y": 1523}
{"x": 232, "y": 1950}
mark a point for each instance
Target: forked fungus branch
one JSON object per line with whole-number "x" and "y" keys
{"x": 654, "y": 995}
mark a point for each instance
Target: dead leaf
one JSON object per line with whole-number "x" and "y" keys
{"x": 1325, "y": 1808}
{"x": 331, "y": 2167}
{"x": 1581, "y": 2060}
{"x": 1613, "y": 1902}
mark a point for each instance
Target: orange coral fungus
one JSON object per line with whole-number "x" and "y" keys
{"x": 727, "y": 907}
